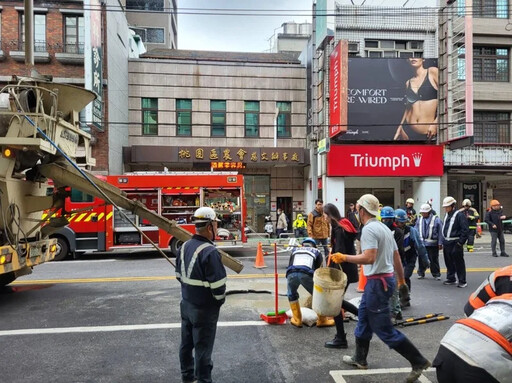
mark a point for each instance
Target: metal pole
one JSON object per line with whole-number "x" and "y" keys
{"x": 314, "y": 107}
{"x": 29, "y": 33}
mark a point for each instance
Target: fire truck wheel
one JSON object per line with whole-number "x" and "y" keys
{"x": 5, "y": 279}
{"x": 175, "y": 245}
{"x": 62, "y": 249}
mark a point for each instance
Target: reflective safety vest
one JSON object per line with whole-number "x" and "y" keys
{"x": 429, "y": 240}
{"x": 450, "y": 227}
{"x": 299, "y": 223}
{"x": 472, "y": 216}
{"x": 498, "y": 283}
{"x": 305, "y": 259}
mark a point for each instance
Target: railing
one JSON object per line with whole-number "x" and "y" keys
{"x": 19, "y": 45}
{"x": 479, "y": 156}
{"x": 77, "y": 48}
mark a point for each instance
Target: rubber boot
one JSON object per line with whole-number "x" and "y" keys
{"x": 324, "y": 321}
{"x": 417, "y": 361}
{"x": 340, "y": 339}
{"x": 297, "y": 315}
{"x": 359, "y": 359}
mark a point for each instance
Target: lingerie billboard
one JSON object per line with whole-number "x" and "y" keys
{"x": 393, "y": 99}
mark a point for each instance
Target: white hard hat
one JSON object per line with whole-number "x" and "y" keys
{"x": 370, "y": 203}
{"x": 449, "y": 201}
{"x": 204, "y": 215}
{"x": 466, "y": 202}
{"x": 410, "y": 200}
{"x": 425, "y": 208}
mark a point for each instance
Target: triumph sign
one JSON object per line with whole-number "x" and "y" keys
{"x": 385, "y": 160}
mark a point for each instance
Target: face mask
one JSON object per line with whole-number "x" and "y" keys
{"x": 388, "y": 223}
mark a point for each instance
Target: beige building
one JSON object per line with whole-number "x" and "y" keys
{"x": 212, "y": 111}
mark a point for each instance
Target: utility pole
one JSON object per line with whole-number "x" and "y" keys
{"x": 314, "y": 131}
{"x": 29, "y": 34}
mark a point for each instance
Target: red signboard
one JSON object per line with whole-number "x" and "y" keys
{"x": 338, "y": 71}
{"x": 385, "y": 160}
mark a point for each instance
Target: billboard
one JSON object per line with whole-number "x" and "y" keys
{"x": 392, "y": 99}
{"x": 338, "y": 91}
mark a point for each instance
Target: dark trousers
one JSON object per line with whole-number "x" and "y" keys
{"x": 296, "y": 279}
{"x": 410, "y": 263}
{"x": 454, "y": 260}
{"x": 494, "y": 237}
{"x": 433, "y": 257}
{"x": 338, "y": 319}
{"x": 452, "y": 369}
{"x": 301, "y": 232}
{"x": 471, "y": 238}
{"x": 198, "y": 328}
{"x": 323, "y": 242}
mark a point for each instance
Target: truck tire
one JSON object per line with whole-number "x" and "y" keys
{"x": 175, "y": 245}
{"x": 62, "y": 249}
{"x": 7, "y": 278}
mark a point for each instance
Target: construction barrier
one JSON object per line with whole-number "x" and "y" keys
{"x": 259, "y": 262}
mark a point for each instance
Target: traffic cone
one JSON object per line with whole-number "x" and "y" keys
{"x": 362, "y": 280}
{"x": 259, "y": 263}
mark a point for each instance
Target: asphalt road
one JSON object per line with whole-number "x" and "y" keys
{"x": 117, "y": 320}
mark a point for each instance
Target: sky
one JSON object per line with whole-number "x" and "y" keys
{"x": 245, "y": 33}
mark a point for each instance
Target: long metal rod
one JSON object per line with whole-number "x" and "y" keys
{"x": 29, "y": 33}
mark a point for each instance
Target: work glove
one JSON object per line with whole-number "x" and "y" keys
{"x": 403, "y": 292}
{"x": 338, "y": 257}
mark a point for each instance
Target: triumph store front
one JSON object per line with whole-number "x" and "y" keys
{"x": 392, "y": 173}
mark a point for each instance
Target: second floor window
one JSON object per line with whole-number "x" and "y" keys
{"x": 491, "y": 128}
{"x": 490, "y": 8}
{"x": 74, "y": 34}
{"x": 39, "y": 32}
{"x": 252, "y": 118}
{"x": 284, "y": 119}
{"x": 149, "y": 116}
{"x": 218, "y": 118}
{"x": 183, "y": 117}
{"x": 490, "y": 64}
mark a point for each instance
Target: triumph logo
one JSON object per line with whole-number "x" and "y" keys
{"x": 393, "y": 162}
{"x": 417, "y": 159}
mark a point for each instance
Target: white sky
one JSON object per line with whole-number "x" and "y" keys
{"x": 252, "y": 33}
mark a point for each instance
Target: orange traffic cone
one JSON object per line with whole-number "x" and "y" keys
{"x": 362, "y": 280}
{"x": 259, "y": 263}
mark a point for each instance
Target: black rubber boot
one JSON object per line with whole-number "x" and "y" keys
{"x": 359, "y": 359}
{"x": 339, "y": 341}
{"x": 412, "y": 354}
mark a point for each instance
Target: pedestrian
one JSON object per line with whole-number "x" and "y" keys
{"x": 318, "y": 226}
{"x": 353, "y": 216}
{"x": 494, "y": 219}
{"x": 380, "y": 258}
{"x": 300, "y": 226}
{"x": 472, "y": 216}
{"x": 203, "y": 288}
{"x": 478, "y": 349}
{"x": 413, "y": 250}
{"x": 343, "y": 235}
{"x": 282, "y": 223}
{"x": 430, "y": 230}
{"x": 269, "y": 226}
{"x": 301, "y": 267}
{"x": 498, "y": 283}
{"x": 411, "y": 213}
{"x": 455, "y": 233}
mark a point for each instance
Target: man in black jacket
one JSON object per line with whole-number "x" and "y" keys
{"x": 494, "y": 219}
{"x": 455, "y": 232}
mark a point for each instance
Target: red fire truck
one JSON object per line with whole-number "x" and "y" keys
{"x": 96, "y": 226}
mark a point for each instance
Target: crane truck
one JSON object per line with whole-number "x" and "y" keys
{"x": 43, "y": 148}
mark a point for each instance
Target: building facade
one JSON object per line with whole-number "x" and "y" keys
{"x": 216, "y": 111}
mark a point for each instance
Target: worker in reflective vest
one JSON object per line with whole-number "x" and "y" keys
{"x": 478, "y": 349}
{"x": 498, "y": 283}
{"x": 430, "y": 229}
{"x": 203, "y": 288}
{"x": 472, "y": 216}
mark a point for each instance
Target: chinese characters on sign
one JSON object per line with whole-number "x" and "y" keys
{"x": 241, "y": 155}
{"x": 227, "y": 165}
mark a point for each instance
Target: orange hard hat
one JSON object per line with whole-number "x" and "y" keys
{"x": 495, "y": 202}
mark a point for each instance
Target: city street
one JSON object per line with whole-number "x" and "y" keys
{"x": 117, "y": 320}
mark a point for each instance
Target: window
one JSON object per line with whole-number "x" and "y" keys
{"x": 371, "y": 44}
{"x": 218, "y": 118}
{"x": 145, "y": 5}
{"x": 74, "y": 34}
{"x": 149, "y": 116}
{"x": 80, "y": 196}
{"x": 284, "y": 119}
{"x": 184, "y": 117}
{"x": 252, "y": 118}
{"x": 490, "y": 8}
{"x": 39, "y": 32}
{"x": 491, "y": 128}
{"x": 490, "y": 64}
{"x": 151, "y": 35}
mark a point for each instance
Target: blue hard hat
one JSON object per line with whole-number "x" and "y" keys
{"x": 309, "y": 240}
{"x": 387, "y": 212}
{"x": 401, "y": 215}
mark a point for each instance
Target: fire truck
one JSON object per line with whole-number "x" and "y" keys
{"x": 95, "y": 226}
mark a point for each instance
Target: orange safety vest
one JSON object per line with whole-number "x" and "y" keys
{"x": 487, "y": 291}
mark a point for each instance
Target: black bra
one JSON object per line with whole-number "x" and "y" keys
{"x": 425, "y": 92}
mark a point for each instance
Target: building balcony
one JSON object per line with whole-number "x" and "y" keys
{"x": 70, "y": 54}
{"x": 16, "y": 50}
{"x": 471, "y": 156}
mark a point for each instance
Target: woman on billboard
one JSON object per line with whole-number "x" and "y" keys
{"x": 420, "y": 113}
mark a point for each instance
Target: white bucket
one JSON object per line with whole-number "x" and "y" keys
{"x": 328, "y": 291}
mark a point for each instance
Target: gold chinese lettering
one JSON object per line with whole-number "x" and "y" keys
{"x": 214, "y": 165}
{"x": 226, "y": 165}
{"x": 274, "y": 156}
{"x": 295, "y": 157}
{"x": 214, "y": 155}
{"x": 220, "y": 165}
{"x": 226, "y": 155}
{"x": 241, "y": 153}
{"x": 285, "y": 156}
{"x": 199, "y": 153}
{"x": 233, "y": 165}
{"x": 264, "y": 156}
{"x": 184, "y": 153}
{"x": 254, "y": 156}
{"x": 239, "y": 165}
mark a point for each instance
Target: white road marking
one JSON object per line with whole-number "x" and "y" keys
{"x": 338, "y": 375}
{"x": 155, "y": 326}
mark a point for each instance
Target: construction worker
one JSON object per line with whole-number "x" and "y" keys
{"x": 472, "y": 216}
{"x": 413, "y": 249}
{"x": 318, "y": 226}
{"x": 411, "y": 213}
{"x": 494, "y": 219}
{"x": 430, "y": 230}
{"x": 455, "y": 233}
{"x": 478, "y": 349}
{"x": 301, "y": 267}
{"x": 300, "y": 226}
{"x": 203, "y": 288}
{"x": 497, "y": 283}
{"x": 380, "y": 258}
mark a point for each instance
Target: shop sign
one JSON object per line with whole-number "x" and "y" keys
{"x": 385, "y": 160}
{"x": 219, "y": 165}
{"x": 240, "y": 154}
{"x": 323, "y": 146}
{"x": 338, "y": 70}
